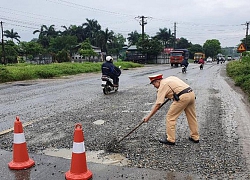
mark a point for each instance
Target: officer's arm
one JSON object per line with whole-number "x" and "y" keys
{"x": 152, "y": 112}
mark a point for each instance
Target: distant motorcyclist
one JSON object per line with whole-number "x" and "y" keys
{"x": 185, "y": 63}
{"x": 201, "y": 61}
{"x": 109, "y": 69}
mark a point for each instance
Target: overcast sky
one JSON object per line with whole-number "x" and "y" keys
{"x": 196, "y": 20}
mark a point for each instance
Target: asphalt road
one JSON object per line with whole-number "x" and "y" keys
{"x": 49, "y": 110}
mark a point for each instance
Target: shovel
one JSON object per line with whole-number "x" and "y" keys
{"x": 140, "y": 123}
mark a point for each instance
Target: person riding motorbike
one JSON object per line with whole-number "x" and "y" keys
{"x": 185, "y": 63}
{"x": 109, "y": 69}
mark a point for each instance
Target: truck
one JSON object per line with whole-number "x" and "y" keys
{"x": 177, "y": 56}
{"x": 198, "y": 56}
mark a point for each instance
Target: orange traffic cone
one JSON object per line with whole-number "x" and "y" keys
{"x": 78, "y": 169}
{"x": 21, "y": 158}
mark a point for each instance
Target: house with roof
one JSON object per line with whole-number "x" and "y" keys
{"x": 76, "y": 57}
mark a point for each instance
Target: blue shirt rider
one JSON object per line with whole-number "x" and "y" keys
{"x": 109, "y": 69}
{"x": 185, "y": 63}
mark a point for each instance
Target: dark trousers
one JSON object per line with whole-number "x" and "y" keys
{"x": 115, "y": 79}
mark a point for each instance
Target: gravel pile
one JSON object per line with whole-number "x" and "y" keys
{"x": 217, "y": 156}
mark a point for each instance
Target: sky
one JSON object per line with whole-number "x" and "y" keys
{"x": 196, "y": 20}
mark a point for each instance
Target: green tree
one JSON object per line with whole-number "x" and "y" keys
{"x": 164, "y": 35}
{"x": 183, "y": 43}
{"x": 133, "y": 38}
{"x": 45, "y": 33}
{"x": 30, "y": 49}
{"x": 86, "y": 50}
{"x": 61, "y": 46}
{"x": 92, "y": 28}
{"x": 62, "y": 42}
{"x": 77, "y": 31}
{"x": 150, "y": 47}
{"x": 11, "y": 34}
{"x": 194, "y": 49}
{"x": 117, "y": 45}
{"x": 104, "y": 38}
{"x": 212, "y": 47}
{"x": 11, "y": 52}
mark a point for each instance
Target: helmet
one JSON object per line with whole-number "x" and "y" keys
{"x": 109, "y": 58}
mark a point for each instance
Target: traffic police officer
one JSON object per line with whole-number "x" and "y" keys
{"x": 183, "y": 100}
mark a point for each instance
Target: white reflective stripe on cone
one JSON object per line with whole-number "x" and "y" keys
{"x": 19, "y": 138}
{"x": 78, "y": 147}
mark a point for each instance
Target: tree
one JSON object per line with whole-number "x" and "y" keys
{"x": 45, "y": 33}
{"x": 164, "y": 35}
{"x": 151, "y": 47}
{"x": 11, "y": 34}
{"x": 183, "y": 43}
{"x": 11, "y": 52}
{"x": 61, "y": 47}
{"x": 92, "y": 27}
{"x": 212, "y": 47}
{"x": 194, "y": 49}
{"x": 117, "y": 44}
{"x": 133, "y": 38}
{"x": 62, "y": 42}
{"x": 77, "y": 31}
{"x": 86, "y": 50}
{"x": 104, "y": 38}
{"x": 30, "y": 49}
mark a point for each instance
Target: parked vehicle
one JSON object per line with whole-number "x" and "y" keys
{"x": 177, "y": 56}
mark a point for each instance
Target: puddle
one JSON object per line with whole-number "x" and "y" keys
{"x": 99, "y": 122}
{"x": 91, "y": 156}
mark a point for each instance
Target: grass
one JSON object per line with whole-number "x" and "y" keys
{"x": 239, "y": 71}
{"x": 23, "y": 71}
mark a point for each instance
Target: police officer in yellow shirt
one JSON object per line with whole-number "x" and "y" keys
{"x": 183, "y": 100}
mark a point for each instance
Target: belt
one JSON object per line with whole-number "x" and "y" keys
{"x": 187, "y": 90}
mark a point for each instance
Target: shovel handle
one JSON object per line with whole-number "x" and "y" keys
{"x": 132, "y": 131}
{"x": 140, "y": 123}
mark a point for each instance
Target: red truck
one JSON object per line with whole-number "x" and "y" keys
{"x": 177, "y": 56}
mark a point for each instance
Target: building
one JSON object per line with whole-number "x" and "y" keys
{"x": 76, "y": 57}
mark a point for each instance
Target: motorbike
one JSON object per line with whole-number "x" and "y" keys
{"x": 107, "y": 85}
{"x": 201, "y": 66}
{"x": 184, "y": 69}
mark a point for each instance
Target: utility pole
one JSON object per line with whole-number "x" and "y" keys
{"x": 174, "y": 35}
{"x": 247, "y": 24}
{"x": 142, "y": 23}
{"x": 3, "y": 51}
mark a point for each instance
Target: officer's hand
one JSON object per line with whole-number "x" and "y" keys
{"x": 146, "y": 119}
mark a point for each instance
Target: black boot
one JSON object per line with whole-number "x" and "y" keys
{"x": 165, "y": 141}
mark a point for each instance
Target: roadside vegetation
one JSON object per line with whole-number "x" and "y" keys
{"x": 24, "y": 71}
{"x": 239, "y": 71}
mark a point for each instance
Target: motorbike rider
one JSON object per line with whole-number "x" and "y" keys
{"x": 185, "y": 63}
{"x": 109, "y": 69}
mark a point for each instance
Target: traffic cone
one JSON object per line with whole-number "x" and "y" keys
{"x": 78, "y": 169}
{"x": 21, "y": 158}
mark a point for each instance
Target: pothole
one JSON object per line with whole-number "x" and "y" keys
{"x": 91, "y": 156}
